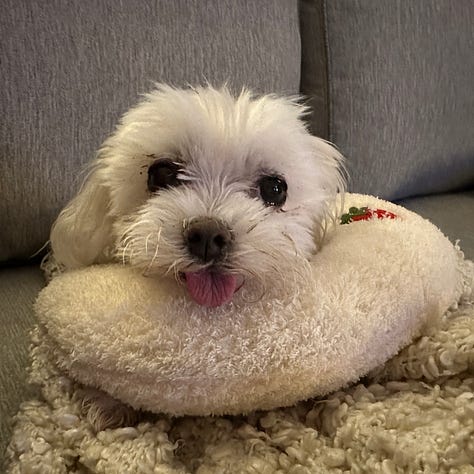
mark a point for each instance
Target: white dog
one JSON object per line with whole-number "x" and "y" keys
{"x": 214, "y": 190}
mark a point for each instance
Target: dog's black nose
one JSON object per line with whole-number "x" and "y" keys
{"x": 207, "y": 239}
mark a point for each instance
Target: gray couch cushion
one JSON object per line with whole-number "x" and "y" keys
{"x": 314, "y": 66}
{"x": 452, "y": 213}
{"x": 70, "y": 68}
{"x": 401, "y": 91}
{"x": 18, "y": 289}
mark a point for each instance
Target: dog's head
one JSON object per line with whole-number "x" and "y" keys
{"x": 209, "y": 188}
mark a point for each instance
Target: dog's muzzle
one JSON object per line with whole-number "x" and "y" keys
{"x": 207, "y": 239}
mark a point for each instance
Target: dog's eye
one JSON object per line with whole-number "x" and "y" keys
{"x": 273, "y": 190}
{"x": 163, "y": 174}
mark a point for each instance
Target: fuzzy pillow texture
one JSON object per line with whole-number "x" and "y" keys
{"x": 376, "y": 285}
{"x": 373, "y": 286}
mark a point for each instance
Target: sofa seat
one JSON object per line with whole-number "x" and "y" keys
{"x": 18, "y": 289}
{"x": 453, "y": 213}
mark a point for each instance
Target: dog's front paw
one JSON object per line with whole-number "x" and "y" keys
{"x": 103, "y": 411}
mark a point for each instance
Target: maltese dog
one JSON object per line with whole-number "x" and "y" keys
{"x": 216, "y": 191}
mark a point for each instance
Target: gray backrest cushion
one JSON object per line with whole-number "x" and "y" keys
{"x": 401, "y": 90}
{"x": 70, "y": 68}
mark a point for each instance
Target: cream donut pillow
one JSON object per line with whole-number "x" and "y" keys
{"x": 375, "y": 285}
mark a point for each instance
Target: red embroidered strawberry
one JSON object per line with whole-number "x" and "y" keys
{"x": 365, "y": 214}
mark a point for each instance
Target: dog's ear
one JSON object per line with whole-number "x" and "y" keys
{"x": 332, "y": 171}
{"x": 82, "y": 233}
{"x": 332, "y": 178}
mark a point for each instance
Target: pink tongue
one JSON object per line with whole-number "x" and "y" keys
{"x": 211, "y": 288}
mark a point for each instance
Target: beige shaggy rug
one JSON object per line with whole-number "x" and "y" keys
{"x": 415, "y": 414}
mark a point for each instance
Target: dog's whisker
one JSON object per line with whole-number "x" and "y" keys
{"x": 157, "y": 247}
{"x": 256, "y": 223}
{"x": 124, "y": 252}
{"x": 173, "y": 267}
{"x": 132, "y": 227}
{"x": 177, "y": 275}
{"x": 146, "y": 242}
{"x": 128, "y": 251}
{"x": 251, "y": 228}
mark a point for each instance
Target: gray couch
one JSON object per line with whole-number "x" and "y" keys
{"x": 390, "y": 82}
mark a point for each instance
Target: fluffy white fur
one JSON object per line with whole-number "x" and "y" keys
{"x": 225, "y": 144}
